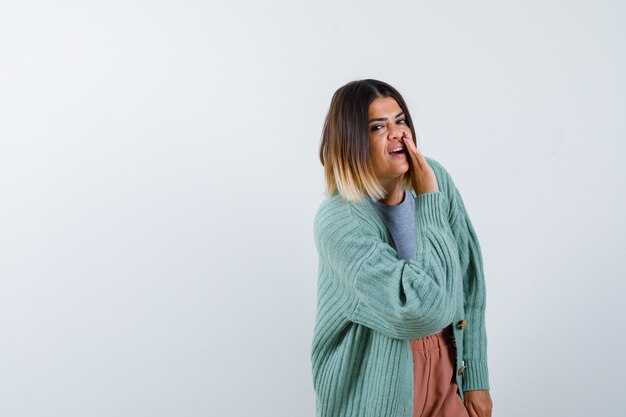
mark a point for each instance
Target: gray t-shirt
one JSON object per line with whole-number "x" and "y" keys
{"x": 400, "y": 221}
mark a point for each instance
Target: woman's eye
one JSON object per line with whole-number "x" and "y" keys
{"x": 403, "y": 121}
{"x": 376, "y": 127}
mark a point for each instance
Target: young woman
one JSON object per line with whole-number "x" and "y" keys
{"x": 400, "y": 327}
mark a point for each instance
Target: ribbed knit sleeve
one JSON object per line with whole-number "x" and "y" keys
{"x": 474, "y": 289}
{"x": 400, "y": 299}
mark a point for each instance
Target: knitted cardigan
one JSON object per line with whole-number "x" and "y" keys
{"x": 370, "y": 302}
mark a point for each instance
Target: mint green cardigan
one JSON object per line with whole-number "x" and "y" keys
{"x": 370, "y": 303}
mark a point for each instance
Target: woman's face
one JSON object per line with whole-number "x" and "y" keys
{"x": 387, "y": 125}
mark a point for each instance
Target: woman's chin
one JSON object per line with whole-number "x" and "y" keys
{"x": 398, "y": 174}
{"x": 403, "y": 169}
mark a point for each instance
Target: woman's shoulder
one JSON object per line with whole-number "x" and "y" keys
{"x": 437, "y": 166}
{"x": 446, "y": 184}
{"x": 335, "y": 208}
{"x": 335, "y": 212}
{"x": 444, "y": 179}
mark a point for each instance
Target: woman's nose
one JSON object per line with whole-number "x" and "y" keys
{"x": 396, "y": 132}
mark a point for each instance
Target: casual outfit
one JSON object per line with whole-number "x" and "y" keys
{"x": 434, "y": 386}
{"x": 396, "y": 304}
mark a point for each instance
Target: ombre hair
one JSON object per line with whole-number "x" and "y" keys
{"x": 345, "y": 146}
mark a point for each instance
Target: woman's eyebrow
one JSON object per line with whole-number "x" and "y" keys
{"x": 380, "y": 119}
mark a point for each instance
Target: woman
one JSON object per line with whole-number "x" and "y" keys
{"x": 400, "y": 327}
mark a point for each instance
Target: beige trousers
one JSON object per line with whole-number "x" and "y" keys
{"x": 435, "y": 389}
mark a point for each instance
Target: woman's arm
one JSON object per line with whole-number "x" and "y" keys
{"x": 401, "y": 299}
{"x": 474, "y": 289}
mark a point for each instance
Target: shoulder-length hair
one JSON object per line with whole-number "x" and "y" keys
{"x": 345, "y": 146}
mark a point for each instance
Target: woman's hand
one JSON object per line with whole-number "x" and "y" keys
{"x": 478, "y": 403}
{"x": 423, "y": 177}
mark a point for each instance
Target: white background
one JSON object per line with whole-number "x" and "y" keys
{"x": 159, "y": 176}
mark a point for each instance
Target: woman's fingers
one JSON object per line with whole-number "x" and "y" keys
{"x": 470, "y": 410}
{"x": 414, "y": 153}
{"x": 423, "y": 177}
{"x": 478, "y": 403}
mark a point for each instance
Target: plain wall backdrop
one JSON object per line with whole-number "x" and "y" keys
{"x": 159, "y": 176}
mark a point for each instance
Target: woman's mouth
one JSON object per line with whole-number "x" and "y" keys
{"x": 400, "y": 150}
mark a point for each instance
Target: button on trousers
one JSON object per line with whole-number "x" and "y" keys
{"x": 434, "y": 380}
